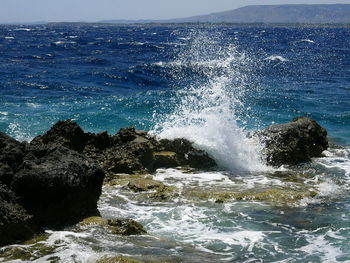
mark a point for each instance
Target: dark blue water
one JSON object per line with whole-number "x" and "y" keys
{"x": 178, "y": 80}
{"x": 107, "y": 77}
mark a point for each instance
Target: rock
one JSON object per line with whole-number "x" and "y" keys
{"x": 15, "y": 222}
{"x": 57, "y": 185}
{"x": 66, "y": 133}
{"x": 165, "y": 160}
{"x": 119, "y": 226}
{"x": 146, "y": 187}
{"x": 129, "y": 151}
{"x": 276, "y": 196}
{"x": 187, "y": 154}
{"x": 118, "y": 260}
{"x": 29, "y": 251}
{"x": 143, "y": 184}
{"x": 294, "y": 142}
{"x": 125, "y": 227}
{"x": 11, "y": 156}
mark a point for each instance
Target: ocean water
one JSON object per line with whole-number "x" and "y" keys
{"x": 213, "y": 84}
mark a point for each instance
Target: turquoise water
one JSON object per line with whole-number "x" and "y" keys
{"x": 212, "y": 84}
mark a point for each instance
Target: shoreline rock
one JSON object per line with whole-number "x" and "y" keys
{"x": 56, "y": 180}
{"x": 294, "y": 142}
{"x": 44, "y": 186}
{"x": 129, "y": 151}
{"x": 15, "y": 222}
{"x": 116, "y": 226}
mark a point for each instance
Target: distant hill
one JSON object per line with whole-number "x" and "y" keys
{"x": 309, "y": 14}
{"x": 306, "y": 14}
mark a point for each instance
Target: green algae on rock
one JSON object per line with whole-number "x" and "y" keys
{"x": 274, "y": 195}
{"x": 29, "y": 250}
{"x": 122, "y": 259}
{"x": 145, "y": 187}
{"x": 119, "y": 226}
{"x": 118, "y": 260}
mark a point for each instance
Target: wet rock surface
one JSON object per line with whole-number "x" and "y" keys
{"x": 117, "y": 226}
{"x": 294, "y": 142}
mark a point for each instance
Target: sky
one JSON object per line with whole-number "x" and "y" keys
{"x": 96, "y": 10}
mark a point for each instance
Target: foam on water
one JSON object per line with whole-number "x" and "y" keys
{"x": 276, "y": 58}
{"x": 206, "y": 109}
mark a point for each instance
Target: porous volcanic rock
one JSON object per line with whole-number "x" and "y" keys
{"x": 57, "y": 185}
{"x": 44, "y": 185}
{"x": 128, "y": 151}
{"x": 294, "y": 142}
{"x": 15, "y": 223}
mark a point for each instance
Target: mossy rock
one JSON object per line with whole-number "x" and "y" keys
{"x": 36, "y": 239}
{"x": 275, "y": 196}
{"x": 94, "y": 220}
{"x": 292, "y": 177}
{"x": 163, "y": 194}
{"x": 158, "y": 191}
{"x": 118, "y": 260}
{"x": 125, "y": 227}
{"x": 123, "y": 179}
{"x": 144, "y": 184}
{"x": 119, "y": 226}
{"x": 30, "y": 250}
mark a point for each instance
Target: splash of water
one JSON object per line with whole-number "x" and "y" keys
{"x": 206, "y": 112}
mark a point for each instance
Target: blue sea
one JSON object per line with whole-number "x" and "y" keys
{"x": 212, "y": 84}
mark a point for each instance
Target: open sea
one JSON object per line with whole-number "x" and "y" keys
{"x": 212, "y": 84}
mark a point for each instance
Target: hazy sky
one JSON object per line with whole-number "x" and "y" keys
{"x": 95, "y": 10}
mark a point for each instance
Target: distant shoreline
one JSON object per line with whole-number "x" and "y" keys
{"x": 327, "y": 25}
{"x": 288, "y": 14}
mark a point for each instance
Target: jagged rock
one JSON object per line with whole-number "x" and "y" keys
{"x": 294, "y": 142}
{"x": 129, "y": 151}
{"x": 66, "y": 133}
{"x": 57, "y": 185}
{"x": 15, "y": 222}
{"x": 11, "y": 156}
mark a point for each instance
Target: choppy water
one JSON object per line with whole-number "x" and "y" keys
{"x": 212, "y": 84}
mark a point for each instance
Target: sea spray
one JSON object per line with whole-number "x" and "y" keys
{"x": 206, "y": 112}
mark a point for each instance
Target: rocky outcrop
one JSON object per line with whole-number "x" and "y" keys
{"x": 57, "y": 185}
{"x": 116, "y": 226}
{"x": 294, "y": 142}
{"x": 11, "y": 157}
{"x": 55, "y": 180}
{"x": 44, "y": 185}
{"x": 129, "y": 151}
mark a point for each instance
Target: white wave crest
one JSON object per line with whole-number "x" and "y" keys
{"x": 276, "y": 58}
{"x": 206, "y": 112}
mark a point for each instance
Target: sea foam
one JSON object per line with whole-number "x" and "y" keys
{"x": 206, "y": 109}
